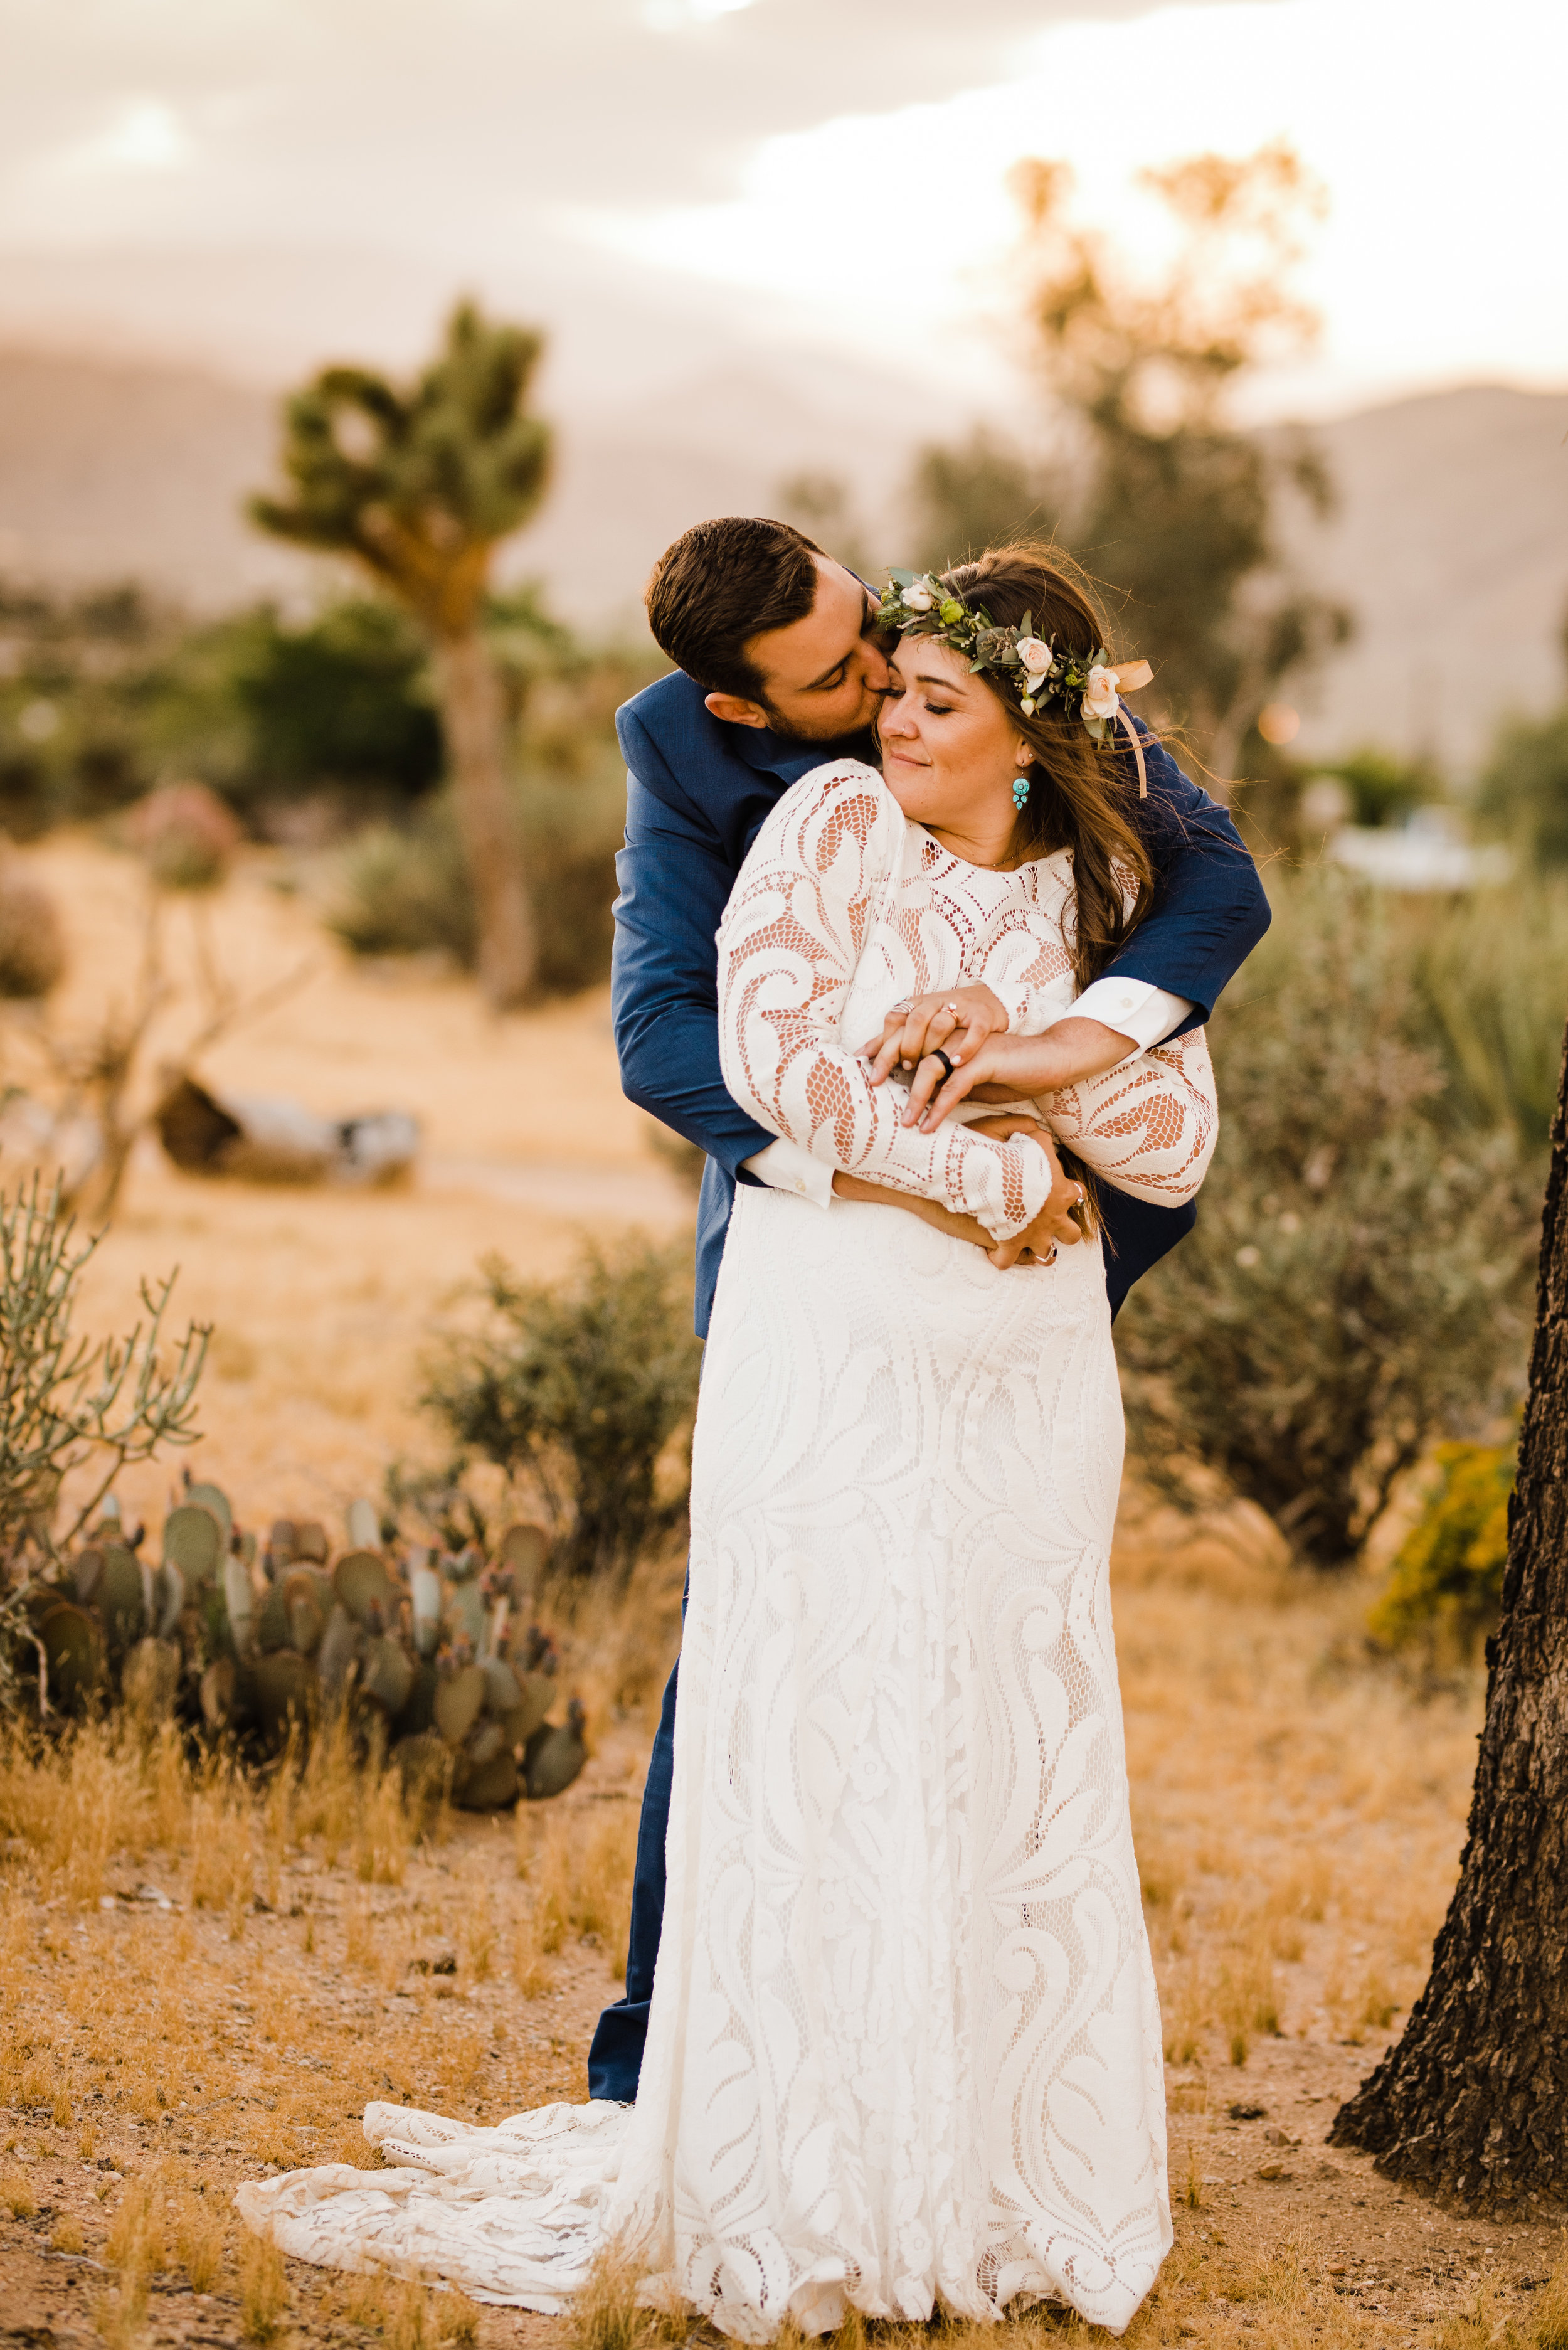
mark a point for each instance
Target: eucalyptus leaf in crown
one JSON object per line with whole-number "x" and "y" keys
{"x": 1087, "y": 686}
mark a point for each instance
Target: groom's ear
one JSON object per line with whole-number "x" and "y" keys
{"x": 735, "y": 710}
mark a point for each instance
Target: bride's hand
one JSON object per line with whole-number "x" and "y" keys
{"x": 1054, "y": 1226}
{"x": 959, "y": 1019}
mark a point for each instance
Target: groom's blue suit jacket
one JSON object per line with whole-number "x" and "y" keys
{"x": 697, "y": 794}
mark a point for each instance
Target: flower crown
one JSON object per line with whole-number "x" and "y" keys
{"x": 1089, "y": 687}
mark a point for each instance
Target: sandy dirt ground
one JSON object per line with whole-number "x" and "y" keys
{"x": 170, "y": 2026}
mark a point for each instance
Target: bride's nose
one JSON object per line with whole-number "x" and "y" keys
{"x": 895, "y": 718}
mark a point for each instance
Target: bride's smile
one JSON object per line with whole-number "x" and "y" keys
{"x": 950, "y": 755}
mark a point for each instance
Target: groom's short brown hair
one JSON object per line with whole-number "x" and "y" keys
{"x": 720, "y": 585}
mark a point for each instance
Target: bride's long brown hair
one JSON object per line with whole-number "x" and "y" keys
{"x": 1082, "y": 793}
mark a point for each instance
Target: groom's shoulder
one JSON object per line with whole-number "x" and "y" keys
{"x": 670, "y": 715}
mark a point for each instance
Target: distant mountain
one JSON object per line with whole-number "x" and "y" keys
{"x": 1450, "y": 542}
{"x": 1451, "y": 546}
{"x": 113, "y": 470}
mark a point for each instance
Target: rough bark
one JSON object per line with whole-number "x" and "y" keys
{"x": 1473, "y": 2104}
{"x": 472, "y": 718}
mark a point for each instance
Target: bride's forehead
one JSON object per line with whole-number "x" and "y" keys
{"x": 928, "y": 657}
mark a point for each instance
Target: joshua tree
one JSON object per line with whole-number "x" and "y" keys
{"x": 420, "y": 485}
{"x": 1178, "y": 504}
{"x": 1470, "y": 2105}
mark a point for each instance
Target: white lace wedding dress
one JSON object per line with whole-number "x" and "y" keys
{"x": 904, "y": 2050}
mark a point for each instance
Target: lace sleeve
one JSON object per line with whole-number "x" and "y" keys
{"x": 798, "y": 920}
{"x": 1147, "y": 1126}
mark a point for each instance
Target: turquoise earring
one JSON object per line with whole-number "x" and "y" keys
{"x": 1020, "y": 793}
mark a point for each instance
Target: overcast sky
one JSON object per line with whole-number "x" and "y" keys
{"x": 265, "y": 182}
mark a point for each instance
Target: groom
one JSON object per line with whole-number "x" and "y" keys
{"x": 779, "y": 668}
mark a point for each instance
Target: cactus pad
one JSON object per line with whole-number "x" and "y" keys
{"x": 388, "y": 1674}
{"x": 194, "y": 1540}
{"x": 525, "y": 1548}
{"x": 459, "y": 1702}
{"x": 489, "y": 1786}
{"x": 86, "y": 1572}
{"x": 71, "y": 1648}
{"x": 361, "y": 1581}
{"x": 122, "y": 1601}
{"x": 213, "y": 1498}
{"x": 306, "y": 1604}
{"x": 283, "y": 1690}
{"x": 500, "y": 1690}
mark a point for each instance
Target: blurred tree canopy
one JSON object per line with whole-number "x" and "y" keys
{"x": 420, "y": 485}
{"x": 1154, "y": 487}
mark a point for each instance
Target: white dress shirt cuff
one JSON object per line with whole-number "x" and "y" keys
{"x": 783, "y": 1166}
{"x": 1131, "y": 1006}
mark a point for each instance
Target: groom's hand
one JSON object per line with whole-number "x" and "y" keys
{"x": 1017, "y": 1068}
{"x": 960, "y": 1019}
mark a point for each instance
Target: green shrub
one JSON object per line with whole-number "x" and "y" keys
{"x": 343, "y": 700}
{"x": 580, "y": 1390}
{"x": 1523, "y": 793}
{"x": 1360, "y": 1278}
{"x": 404, "y": 889}
{"x": 1445, "y": 1583}
{"x": 1491, "y": 996}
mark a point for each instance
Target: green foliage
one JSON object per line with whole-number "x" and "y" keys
{"x": 1360, "y": 1278}
{"x": 1446, "y": 1584}
{"x": 1523, "y": 793}
{"x": 1174, "y": 503}
{"x": 1490, "y": 974}
{"x": 404, "y": 889}
{"x": 69, "y": 1403}
{"x": 418, "y": 484}
{"x": 1383, "y": 787}
{"x": 342, "y": 700}
{"x": 982, "y": 493}
{"x": 69, "y": 744}
{"x": 580, "y": 1390}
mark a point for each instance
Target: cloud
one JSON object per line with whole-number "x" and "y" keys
{"x": 144, "y": 134}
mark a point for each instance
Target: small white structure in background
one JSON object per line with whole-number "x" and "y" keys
{"x": 1428, "y": 851}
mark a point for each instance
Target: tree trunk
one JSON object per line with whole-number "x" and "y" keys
{"x": 472, "y": 719}
{"x": 1473, "y": 2104}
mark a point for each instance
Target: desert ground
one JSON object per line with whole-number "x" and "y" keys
{"x": 202, "y": 1983}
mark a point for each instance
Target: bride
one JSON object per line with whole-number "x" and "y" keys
{"x": 904, "y": 2051}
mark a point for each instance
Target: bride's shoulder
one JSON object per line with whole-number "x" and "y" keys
{"x": 841, "y": 789}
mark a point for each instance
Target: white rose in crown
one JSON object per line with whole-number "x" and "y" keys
{"x": 1037, "y": 657}
{"x": 1100, "y": 696}
{"x": 920, "y": 598}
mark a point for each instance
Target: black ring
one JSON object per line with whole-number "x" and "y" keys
{"x": 937, "y": 1054}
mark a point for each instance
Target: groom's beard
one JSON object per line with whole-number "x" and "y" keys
{"x": 861, "y": 743}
